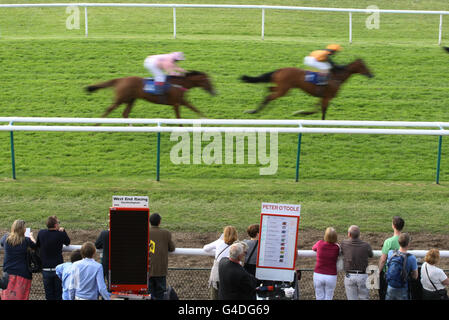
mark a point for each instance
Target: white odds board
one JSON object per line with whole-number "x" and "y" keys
{"x": 278, "y": 236}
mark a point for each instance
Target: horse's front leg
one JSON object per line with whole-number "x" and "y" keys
{"x": 177, "y": 111}
{"x": 324, "y": 105}
{"x": 305, "y": 113}
{"x": 176, "y": 108}
{"x": 194, "y": 109}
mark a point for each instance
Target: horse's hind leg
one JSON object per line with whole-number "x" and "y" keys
{"x": 278, "y": 92}
{"x": 111, "y": 108}
{"x": 128, "y": 108}
{"x": 261, "y": 106}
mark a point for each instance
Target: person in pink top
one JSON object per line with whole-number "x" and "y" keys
{"x": 161, "y": 64}
{"x": 325, "y": 272}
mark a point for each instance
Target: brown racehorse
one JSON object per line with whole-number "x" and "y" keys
{"x": 288, "y": 78}
{"x": 129, "y": 89}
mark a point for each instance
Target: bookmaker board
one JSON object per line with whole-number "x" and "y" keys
{"x": 129, "y": 245}
{"x": 278, "y": 237}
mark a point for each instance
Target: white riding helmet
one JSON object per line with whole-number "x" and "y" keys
{"x": 178, "y": 56}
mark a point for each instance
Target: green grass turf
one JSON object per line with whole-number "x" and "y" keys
{"x": 198, "y": 205}
{"x": 44, "y": 68}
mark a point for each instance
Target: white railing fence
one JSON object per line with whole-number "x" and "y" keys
{"x": 263, "y": 8}
{"x": 225, "y": 126}
{"x": 237, "y": 125}
{"x": 301, "y": 253}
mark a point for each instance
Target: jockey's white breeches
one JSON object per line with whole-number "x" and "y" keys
{"x": 323, "y": 66}
{"x": 151, "y": 65}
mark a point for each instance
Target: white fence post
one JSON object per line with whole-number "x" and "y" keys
{"x": 174, "y": 23}
{"x": 440, "y": 31}
{"x": 350, "y": 27}
{"x": 263, "y": 24}
{"x": 86, "y": 28}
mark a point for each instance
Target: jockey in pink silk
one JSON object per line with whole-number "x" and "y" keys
{"x": 162, "y": 64}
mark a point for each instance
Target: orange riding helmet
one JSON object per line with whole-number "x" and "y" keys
{"x": 334, "y": 47}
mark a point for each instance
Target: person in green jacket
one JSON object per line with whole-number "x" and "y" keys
{"x": 389, "y": 244}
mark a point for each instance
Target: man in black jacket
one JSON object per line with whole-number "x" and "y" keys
{"x": 50, "y": 242}
{"x": 235, "y": 282}
{"x": 102, "y": 243}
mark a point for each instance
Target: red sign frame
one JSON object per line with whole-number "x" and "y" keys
{"x": 130, "y": 288}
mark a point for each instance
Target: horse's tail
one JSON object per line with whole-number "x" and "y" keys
{"x": 266, "y": 77}
{"x": 102, "y": 85}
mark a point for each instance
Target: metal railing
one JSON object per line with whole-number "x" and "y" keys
{"x": 192, "y": 284}
{"x": 226, "y": 126}
{"x": 263, "y": 8}
{"x": 300, "y": 253}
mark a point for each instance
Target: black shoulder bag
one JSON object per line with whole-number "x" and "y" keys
{"x": 34, "y": 261}
{"x": 441, "y": 294}
{"x": 251, "y": 268}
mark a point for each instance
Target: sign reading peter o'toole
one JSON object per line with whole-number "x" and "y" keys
{"x": 278, "y": 238}
{"x": 130, "y": 201}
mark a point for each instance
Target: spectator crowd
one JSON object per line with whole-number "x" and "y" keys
{"x": 233, "y": 273}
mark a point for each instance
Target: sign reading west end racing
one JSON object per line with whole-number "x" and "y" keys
{"x": 130, "y": 201}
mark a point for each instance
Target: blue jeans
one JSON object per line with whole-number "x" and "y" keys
{"x": 158, "y": 286}
{"x": 396, "y": 293}
{"x": 52, "y": 285}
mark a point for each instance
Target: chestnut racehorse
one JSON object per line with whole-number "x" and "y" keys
{"x": 129, "y": 89}
{"x": 289, "y": 78}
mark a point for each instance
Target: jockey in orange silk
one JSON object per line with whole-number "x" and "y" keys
{"x": 320, "y": 59}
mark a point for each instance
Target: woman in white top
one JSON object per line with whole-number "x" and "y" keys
{"x": 432, "y": 277}
{"x": 221, "y": 249}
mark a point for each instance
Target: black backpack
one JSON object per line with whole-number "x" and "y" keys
{"x": 34, "y": 261}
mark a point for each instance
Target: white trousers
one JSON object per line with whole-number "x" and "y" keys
{"x": 150, "y": 65}
{"x": 355, "y": 286}
{"x": 323, "y": 66}
{"x": 324, "y": 285}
